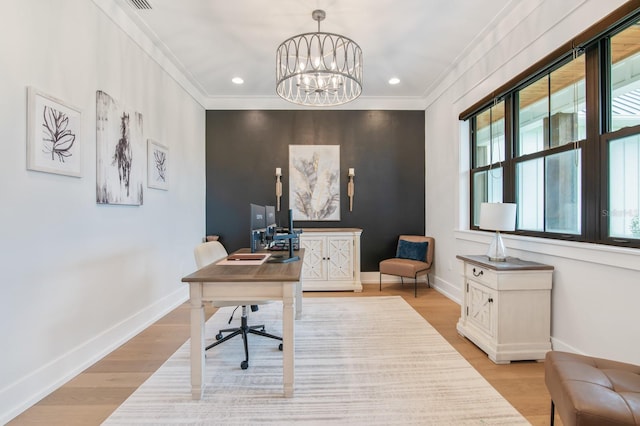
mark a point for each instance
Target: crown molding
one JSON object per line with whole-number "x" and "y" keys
{"x": 276, "y": 103}
{"x": 120, "y": 13}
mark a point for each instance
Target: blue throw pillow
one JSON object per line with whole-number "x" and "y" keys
{"x": 410, "y": 250}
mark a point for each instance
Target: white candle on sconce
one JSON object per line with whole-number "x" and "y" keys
{"x": 278, "y": 187}
{"x": 351, "y": 189}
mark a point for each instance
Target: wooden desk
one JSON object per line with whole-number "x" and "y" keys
{"x": 269, "y": 281}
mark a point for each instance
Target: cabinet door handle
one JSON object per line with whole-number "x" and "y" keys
{"x": 490, "y": 300}
{"x": 479, "y": 274}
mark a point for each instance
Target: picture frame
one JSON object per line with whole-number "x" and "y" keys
{"x": 314, "y": 182}
{"x": 54, "y": 143}
{"x": 120, "y": 153}
{"x": 157, "y": 165}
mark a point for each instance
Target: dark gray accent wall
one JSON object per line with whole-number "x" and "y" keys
{"x": 386, "y": 148}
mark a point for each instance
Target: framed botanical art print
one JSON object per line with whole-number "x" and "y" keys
{"x": 157, "y": 165}
{"x": 314, "y": 183}
{"x": 53, "y": 135}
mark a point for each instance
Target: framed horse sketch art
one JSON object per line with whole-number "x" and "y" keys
{"x": 120, "y": 153}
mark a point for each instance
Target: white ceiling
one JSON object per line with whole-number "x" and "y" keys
{"x": 417, "y": 41}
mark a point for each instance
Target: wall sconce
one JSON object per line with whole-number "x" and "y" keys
{"x": 351, "y": 187}
{"x": 278, "y": 186}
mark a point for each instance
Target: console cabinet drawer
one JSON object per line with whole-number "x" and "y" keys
{"x": 480, "y": 274}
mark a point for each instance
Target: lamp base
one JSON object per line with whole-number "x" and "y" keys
{"x": 497, "y": 252}
{"x": 497, "y": 259}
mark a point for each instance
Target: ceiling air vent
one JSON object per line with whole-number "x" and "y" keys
{"x": 140, "y": 4}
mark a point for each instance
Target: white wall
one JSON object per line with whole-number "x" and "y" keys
{"x": 79, "y": 279}
{"x": 596, "y": 288}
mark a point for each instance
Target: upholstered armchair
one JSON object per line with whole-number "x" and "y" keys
{"x": 414, "y": 256}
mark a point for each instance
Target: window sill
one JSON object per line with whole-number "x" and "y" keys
{"x": 620, "y": 257}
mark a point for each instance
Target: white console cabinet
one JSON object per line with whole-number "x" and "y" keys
{"x": 331, "y": 259}
{"x": 506, "y": 310}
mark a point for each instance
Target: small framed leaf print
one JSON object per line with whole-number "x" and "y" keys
{"x": 53, "y": 135}
{"x": 157, "y": 165}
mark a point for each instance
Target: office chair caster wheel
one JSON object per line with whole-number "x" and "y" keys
{"x": 280, "y": 346}
{"x": 219, "y": 336}
{"x": 244, "y": 365}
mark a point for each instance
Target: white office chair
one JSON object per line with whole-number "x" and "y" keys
{"x": 212, "y": 251}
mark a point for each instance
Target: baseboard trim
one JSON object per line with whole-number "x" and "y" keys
{"x": 22, "y": 394}
{"x": 559, "y": 345}
{"x": 374, "y": 278}
{"x": 447, "y": 289}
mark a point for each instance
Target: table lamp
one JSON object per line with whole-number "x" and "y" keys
{"x": 497, "y": 217}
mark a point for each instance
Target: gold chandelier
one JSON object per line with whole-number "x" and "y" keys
{"x": 319, "y": 69}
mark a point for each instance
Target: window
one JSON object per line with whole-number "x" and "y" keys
{"x": 548, "y": 176}
{"x": 621, "y": 218}
{"x": 487, "y": 185}
{"x": 488, "y": 128}
{"x": 564, "y": 143}
{"x": 623, "y": 210}
{"x": 625, "y": 80}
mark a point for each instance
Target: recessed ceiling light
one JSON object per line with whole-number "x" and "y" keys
{"x": 394, "y": 80}
{"x": 237, "y": 80}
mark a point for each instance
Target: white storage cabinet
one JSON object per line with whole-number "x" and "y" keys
{"x": 506, "y": 310}
{"x": 331, "y": 259}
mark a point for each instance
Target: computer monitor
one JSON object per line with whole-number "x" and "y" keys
{"x": 271, "y": 223}
{"x": 258, "y": 226}
{"x": 258, "y": 217}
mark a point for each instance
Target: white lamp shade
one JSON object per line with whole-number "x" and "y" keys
{"x": 498, "y": 216}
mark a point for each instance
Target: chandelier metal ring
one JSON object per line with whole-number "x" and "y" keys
{"x": 319, "y": 69}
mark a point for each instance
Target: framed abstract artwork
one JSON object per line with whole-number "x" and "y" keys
{"x": 314, "y": 182}
{"x": 157, "y": 165}
{"x": 120, "y": 156}
{"x": 53, "y": 135}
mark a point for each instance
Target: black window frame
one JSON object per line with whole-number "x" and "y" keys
{"x": 593, "y": 149}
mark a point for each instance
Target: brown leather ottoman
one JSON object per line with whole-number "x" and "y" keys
{"x": 592, "y": 391}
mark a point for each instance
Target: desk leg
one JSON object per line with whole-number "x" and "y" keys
{"x": 197, "y": 340}
{"x": 298, "y": 299}
{"x": 289, "y": 294}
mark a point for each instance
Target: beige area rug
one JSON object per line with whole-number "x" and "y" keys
{"x": 359, "y": 361}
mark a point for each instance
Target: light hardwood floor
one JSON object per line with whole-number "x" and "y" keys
{"x": 93, "y": 395}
